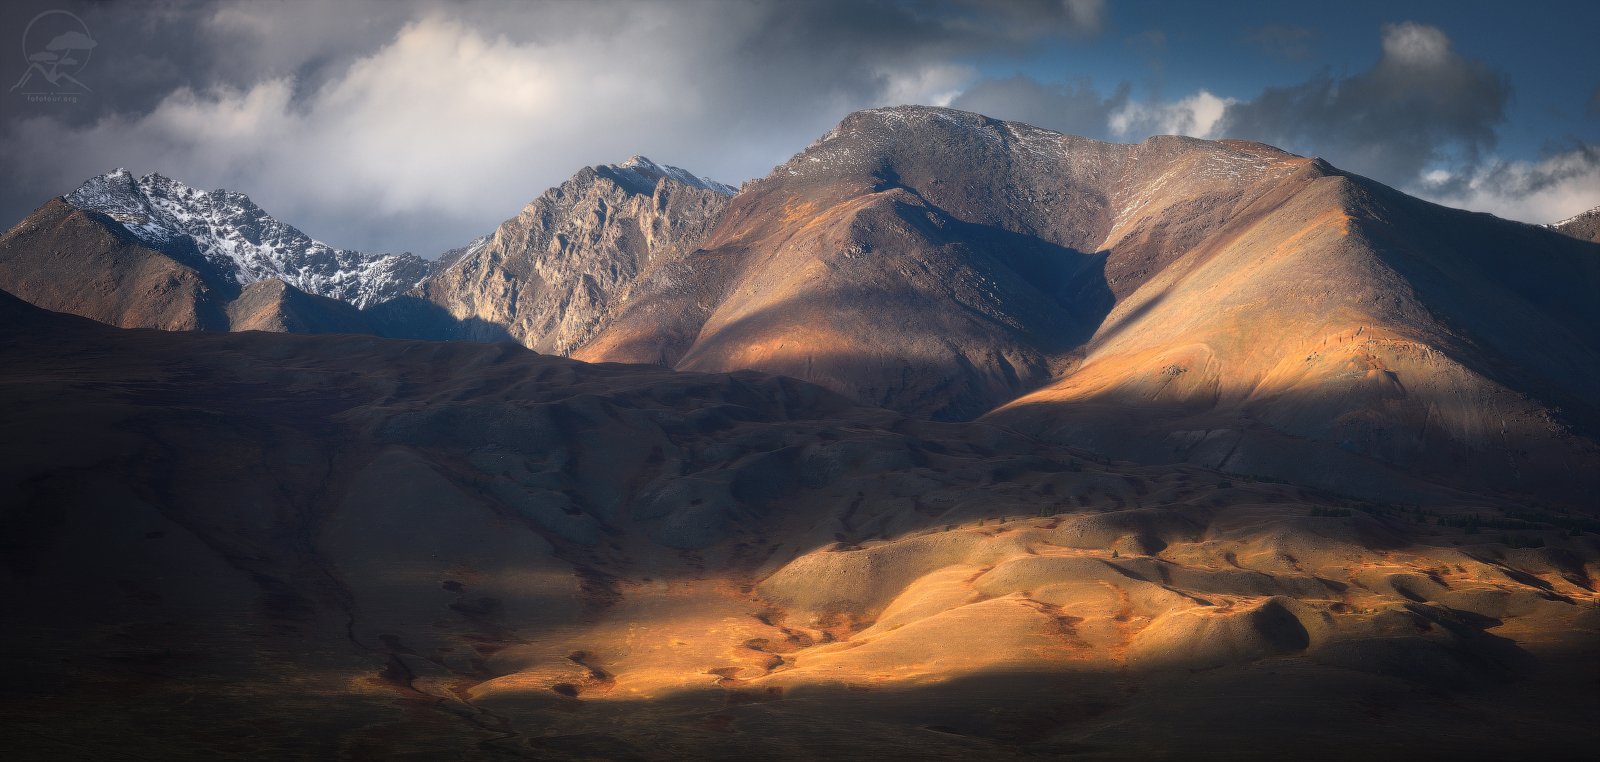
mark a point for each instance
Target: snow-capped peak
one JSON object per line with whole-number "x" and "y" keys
{"x": 650, "y": 172}
{"x": 240, "y": 241}
{"x": 1595, "y": 212}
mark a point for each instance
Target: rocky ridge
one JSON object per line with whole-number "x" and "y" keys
{"x": 225, "y": 232}
{"x": 552, "y": 275}
{"x": 1585, "y": 226}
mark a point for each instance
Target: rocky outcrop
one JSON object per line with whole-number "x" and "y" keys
{"x": 1584, "y": 227}
{"x": 552, "y": 275}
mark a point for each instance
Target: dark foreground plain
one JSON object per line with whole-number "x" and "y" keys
{"x": 271, "y": 546}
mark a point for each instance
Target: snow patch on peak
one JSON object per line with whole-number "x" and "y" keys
{"x": 1595, "y": 212}
{"x": 242, "y": 243}
{"x": 650, "y": 172}
{"x": 460, "y": 254}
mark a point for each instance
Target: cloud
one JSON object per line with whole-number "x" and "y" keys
{"x": 1561, "y": 185}
{"x": 1196, "y": 116}
{"x": 1073, "y": 107}
{"x": 73, "y": 40}
{"x": 1423, "y": 119}
{"x": 1076, "y": 107}
{"x": 416, "y": 125}
{"x": 1422, "y": 104}
{"x": 1086, "y": 17}
{"x": 1290, "y": 43}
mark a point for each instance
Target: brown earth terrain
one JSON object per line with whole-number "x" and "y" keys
{"x": 85, "y": 263}
{"x": 271, "y": 546}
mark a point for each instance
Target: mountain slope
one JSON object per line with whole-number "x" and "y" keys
{"x": 945, "y": 263}
{"x": 1354, "y": 338}
{"x": 934, "y": 260}
{"x": 83, "y": 262}
{"x": 66, "y": 259}
{"x": 549, "y": 276}
{"x": 272, "y": 305}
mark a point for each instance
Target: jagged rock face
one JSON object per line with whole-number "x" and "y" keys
{"x": 1585, "y": 227}
{"x": 553, "y": 274}
{"x": 69, "y": 260}
{"x": 234, "y": 240}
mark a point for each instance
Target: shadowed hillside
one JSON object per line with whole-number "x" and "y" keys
{"x": 274, "y": 546}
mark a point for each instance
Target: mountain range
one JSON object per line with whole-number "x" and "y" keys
{"x": 950, "y": 438}
{"x": 1235, "y": 306}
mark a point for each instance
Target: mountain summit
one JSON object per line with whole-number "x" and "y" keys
{"x": 1218, "y": 302}
{"x": 550, "y": 276}
{"x": 239, "y": 242}
{"x": 1585, "y": 226}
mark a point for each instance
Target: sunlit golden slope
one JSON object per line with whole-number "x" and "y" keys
{"x": 1327, "y": 340}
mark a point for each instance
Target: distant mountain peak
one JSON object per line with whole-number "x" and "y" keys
{"x": 648, "y": 173}
{"x": 242, "y": 243}
{"x": 1584, "y": 226}
{"x": 583, "y": 244}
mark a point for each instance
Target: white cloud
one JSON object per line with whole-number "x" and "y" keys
{"x": 932, "y": 85}
{"x": 1549, "y": 190}
{"x": 1412, "y": 44}
{"x": 1196, "y": 116}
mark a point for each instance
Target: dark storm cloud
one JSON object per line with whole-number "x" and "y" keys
{"x": 1421, "y": 105}
{"x": 148, "y": 50}
{"x": 416, "y": 125}
{"x": 1074, "y": 107}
